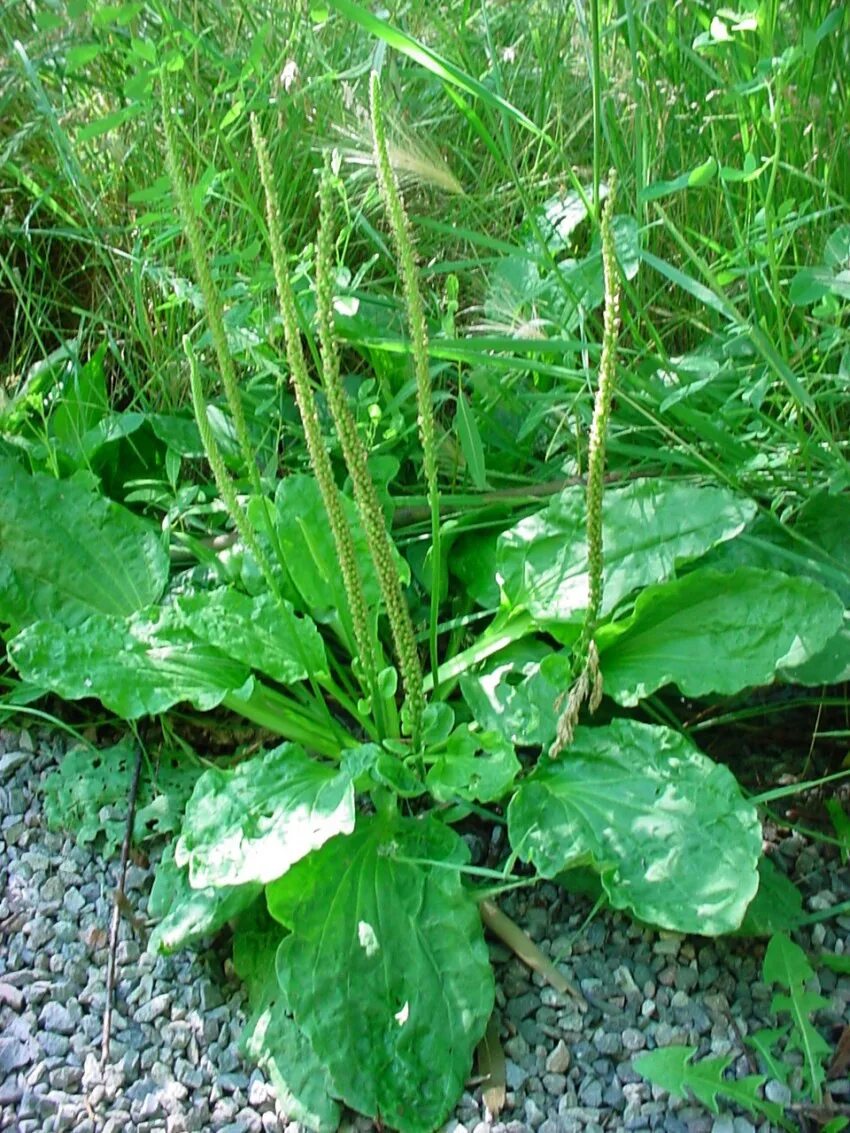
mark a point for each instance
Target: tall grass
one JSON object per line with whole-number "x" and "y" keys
{"x": 724, "y": 372}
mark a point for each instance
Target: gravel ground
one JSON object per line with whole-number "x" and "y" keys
{"x": 174, "y": 1062}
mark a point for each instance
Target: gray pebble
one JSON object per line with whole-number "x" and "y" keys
{"x": 153, "y": 1009}
{"x": 558, "y": 1060}
{"x": 57, "y": 1018}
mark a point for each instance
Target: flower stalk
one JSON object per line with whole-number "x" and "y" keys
{"x": 403, "y": 241}
{"x": 212, "y": 300}
{"x": 588, "y": 684}
{"x": 355, "y": 455}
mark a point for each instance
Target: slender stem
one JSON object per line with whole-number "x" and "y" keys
{"x": 494, "y": 639}
{"x": 403, "y": 240}
{"x": 271, "y": 709}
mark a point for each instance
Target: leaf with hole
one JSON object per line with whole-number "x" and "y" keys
{"x": 519, "y": 694}
{"x": 398, "y": 1031}
{"x": 475, "y": 766}
{"x": 253, "y": 822}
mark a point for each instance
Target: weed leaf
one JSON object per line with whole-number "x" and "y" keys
{"x": 89, "y": 779}
{"x": 786, "y": 964}
{"x": 671, "y": 1068}
{"x": 669, "y": 832}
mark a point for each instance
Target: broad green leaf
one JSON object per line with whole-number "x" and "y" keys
{"x": 253, "y": 822}
{"x": 186, "y": 915}
{"x": 776, "y": 907}
{"x": 671, "y": 1068}
{"x": 271, "y": 1036}
{"x": 262, "y": 632}
{"x": 714, "y": 631}
{"x": 473, "y": 560}
{"x": 310, "y": 557}
{"x": 83, "y": 404}
{"x": 476, "y": 767}
{"x": 398, "y": 1029}
{"x": 66, "y": 553}
{"x": 649, "y": 527}
{"x": 669, "y": 832}
{"x": 137, "y": 666}
{"x": 519, "y": 696}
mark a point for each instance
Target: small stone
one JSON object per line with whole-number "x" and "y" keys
{"x": 127, "y": 952}
{"x": 74, "y": 902}
{"x": 11, "y": 997}
{"x": 252, "y": 1121}
{"x": 11, "y": 761}
{"x": 57, "y": 1018}
{"x": 633, "y": 1039}
{"x": 559, "y": 1059}
{"x": 53, "y": 1045}
{"x": 554, "y": 1084}
{"x": 723, "y": 1124}
{"x": 523, "y": 1005}
{"x": 515, "y": 1075}
{"x": 15, "y": 1053}
{"x": 534, "y": 1115}
{"x": 66, "y": 1078}
{"x": 153, "y": 1009}
{"x": 777, "y": 1092}
{"x": 590, "y": 1093}
{"x": 259, "y": 1094}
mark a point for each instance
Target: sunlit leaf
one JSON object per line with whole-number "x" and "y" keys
{"x": 386, "y": 969}
{"x": 713, "y": 631}
{"x": 263, "y": 632}
{"x": 669, "y": 832}
{"x": 476, "y": 766}
{"x": 253, "y": 822}
{"x": 518, "y": 697}
{"x": 136, "y": 666}
{"x": 649, "y": 527}
{"x": 185, "y": 914}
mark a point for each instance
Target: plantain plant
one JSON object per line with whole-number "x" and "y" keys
{"x": 335, "y": 854}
